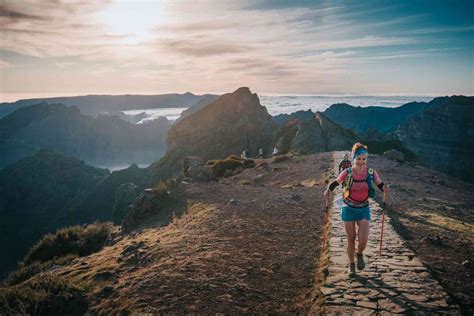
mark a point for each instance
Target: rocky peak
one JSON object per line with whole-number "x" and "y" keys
{"x": 234, "y": 122}
{"x": 313, "y": 135}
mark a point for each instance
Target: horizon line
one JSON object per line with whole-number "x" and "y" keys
{"x": 15, "y": 97}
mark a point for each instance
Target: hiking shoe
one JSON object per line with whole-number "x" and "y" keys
{"x": 352, "y": 269}
{"x": 360, "y": 261}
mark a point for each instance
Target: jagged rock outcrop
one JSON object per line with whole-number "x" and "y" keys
{"x": 193, "y": 169}
{"x": 102, "y": 141}
{"x": 282, "y": 119}
{"x": 234, "y": 122}
{"x": 316, "y": 135}
{"x": 205, "y": 100}
{"x": 443, "y": 136}
{"x": 156, "y": 206}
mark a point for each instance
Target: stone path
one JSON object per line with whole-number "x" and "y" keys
{"x": 396, "y": 282}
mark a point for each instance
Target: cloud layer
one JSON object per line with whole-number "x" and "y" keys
{"x": 153, "y": 47}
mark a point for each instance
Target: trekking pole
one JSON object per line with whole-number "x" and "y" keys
{"x": 383, "y": 219}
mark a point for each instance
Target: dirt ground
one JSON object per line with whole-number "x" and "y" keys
{"x": 435, "y": 214}
{"x": 248, "y": 244}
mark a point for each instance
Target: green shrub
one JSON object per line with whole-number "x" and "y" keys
{"x": 74, "y": 240}
{"x": 48, "y": 295}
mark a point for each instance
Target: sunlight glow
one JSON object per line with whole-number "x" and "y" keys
{"x": 135, "y": 20}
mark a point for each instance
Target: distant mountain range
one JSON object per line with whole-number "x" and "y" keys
{"x": 97, "y": 104}
{"x": 101, "y": 141}
{"x": 383, "y": 119}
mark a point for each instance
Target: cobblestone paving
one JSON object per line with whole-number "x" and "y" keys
{"x": 395, "y": 282}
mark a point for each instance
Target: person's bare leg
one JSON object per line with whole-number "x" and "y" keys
{"x": 351, "y": 236}
{"x": 363, "y": 234}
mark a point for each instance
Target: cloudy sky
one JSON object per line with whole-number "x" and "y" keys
{"x": 273, "y": 47}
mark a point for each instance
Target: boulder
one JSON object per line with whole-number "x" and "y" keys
{"x": 394, "y": 154}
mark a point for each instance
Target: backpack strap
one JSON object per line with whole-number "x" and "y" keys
{"x": 370, "y": 182}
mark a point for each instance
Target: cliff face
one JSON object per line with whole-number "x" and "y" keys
{"x": 234, "y": 122}
{"x": 318, "y": 134}
{"x": 101, "y": 141}
{"x": 443, "y": 136}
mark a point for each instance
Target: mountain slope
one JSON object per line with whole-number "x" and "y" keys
{"x": 40, "y": 193}
{"x": 383, "y": 119}
{"x": 443, "y": 136}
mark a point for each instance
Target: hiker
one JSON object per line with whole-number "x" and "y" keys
{"x": 275, "y": 151}
{"x": 245, "y": 154}
{"x": 260, "y": 153}
{"x": 346, "y": 163}
{"x": 360, "y": 182}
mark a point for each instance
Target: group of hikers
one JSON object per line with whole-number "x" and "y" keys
{"x": 358, "y": 183}
{"x": 246, "y": 153}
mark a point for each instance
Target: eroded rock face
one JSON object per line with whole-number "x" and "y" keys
{"x": 193, "y": 169}
{"x": 315, "y": 135}
{"x": 234, "y": 122}
{"x": 443, "y": 137}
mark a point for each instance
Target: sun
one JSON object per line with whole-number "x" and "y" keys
{"x": 135, "y": 20}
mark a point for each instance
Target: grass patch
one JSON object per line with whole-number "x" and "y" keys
{"x": 445, "y": 222}
{"x": 26, "y": 271}
{"x": 48, "y": 295}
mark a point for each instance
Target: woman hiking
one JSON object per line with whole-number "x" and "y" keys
{"x": 360, "y": 181}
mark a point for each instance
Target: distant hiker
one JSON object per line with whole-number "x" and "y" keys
{"x": 245, "y": 154}
{"x": 260, "y": 153}
{"x": 360, "y": 182}
{"x": 345, "y": 163}
{"x": 275, "y": 151}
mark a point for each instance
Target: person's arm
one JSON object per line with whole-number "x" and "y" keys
{"x": 340, "y": 179}
{"x": 379, "y": 183}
